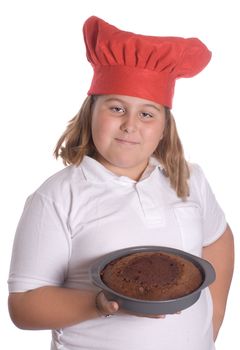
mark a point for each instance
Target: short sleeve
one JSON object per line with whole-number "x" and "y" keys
{"x": 214, "y": 221}
{"x": 41, "y": 246}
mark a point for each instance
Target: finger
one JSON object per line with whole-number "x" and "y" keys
{"x": 105, "y": 306}
{"x": 155, "y": 316}
{"x": 148, "y": 315}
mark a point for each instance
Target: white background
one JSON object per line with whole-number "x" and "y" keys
{"x": 44, "y": 77}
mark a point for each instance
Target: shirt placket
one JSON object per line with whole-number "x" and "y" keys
{"x": 151, "y": 205}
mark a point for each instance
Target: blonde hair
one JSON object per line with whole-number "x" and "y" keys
{"x": 76, "y": 142}
{"x": 171, "y": 155}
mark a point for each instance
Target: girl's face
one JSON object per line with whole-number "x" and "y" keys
{"x": 126, "y": 131}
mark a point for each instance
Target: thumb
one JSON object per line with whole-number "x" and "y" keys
{"x": 105, "y": 306}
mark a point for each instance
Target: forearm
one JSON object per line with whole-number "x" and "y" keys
{"x": 221, "y": 255}
{"x": 51, "y": 308}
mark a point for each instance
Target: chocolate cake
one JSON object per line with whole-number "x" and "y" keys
{"x": 152, "y": 276}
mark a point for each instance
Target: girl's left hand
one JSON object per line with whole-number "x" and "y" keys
{"x": 154, "y": 316}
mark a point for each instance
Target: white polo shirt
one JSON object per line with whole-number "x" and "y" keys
{"x": 83, "y": 212}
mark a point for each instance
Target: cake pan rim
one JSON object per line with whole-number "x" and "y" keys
{"x": 206, "y": 268}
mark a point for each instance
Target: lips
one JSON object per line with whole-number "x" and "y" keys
{"x": 127, "y": 142}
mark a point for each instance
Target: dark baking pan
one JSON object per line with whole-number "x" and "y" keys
{"x": 161, "y": 307}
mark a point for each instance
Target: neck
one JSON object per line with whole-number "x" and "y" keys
{"x": 134, "y": 172}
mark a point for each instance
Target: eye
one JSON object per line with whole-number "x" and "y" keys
{"x": 117, "y": 109}
{"x": 146, "y": 115}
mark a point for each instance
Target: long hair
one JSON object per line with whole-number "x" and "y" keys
{"x": 76, "y": 142}
{"x": 171, "y": 155}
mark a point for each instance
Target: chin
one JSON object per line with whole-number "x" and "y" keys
{"x": 128, "y": 164}
{"x": 123, "y": 162}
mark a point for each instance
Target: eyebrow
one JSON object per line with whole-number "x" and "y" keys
{"x": 153, "y": 106}
{"x": 122, "y": 101}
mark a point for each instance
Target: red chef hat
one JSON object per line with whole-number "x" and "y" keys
{"x": 137, "y": 65}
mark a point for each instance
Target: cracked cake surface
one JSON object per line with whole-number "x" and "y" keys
{"x": 152, "y": 276}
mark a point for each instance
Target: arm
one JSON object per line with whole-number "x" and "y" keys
{"x": 54, "y": 307}
{"x": 221, "y": 255}
{"x": 36, "y": 253}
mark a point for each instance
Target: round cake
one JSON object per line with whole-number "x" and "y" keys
{"x": 152, "y": 276}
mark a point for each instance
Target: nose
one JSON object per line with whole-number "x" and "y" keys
{"x": 129, "y": 123}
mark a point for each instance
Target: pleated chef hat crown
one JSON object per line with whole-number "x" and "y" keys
{"x": 137, "y": 65}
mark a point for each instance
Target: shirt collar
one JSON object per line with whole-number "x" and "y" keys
{"x": 152, "y": 165}
{"x": 96, "y": 172}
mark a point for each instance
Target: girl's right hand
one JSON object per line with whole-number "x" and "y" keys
{"x": 107, "y": 308}
{"x": 104, "y": 306}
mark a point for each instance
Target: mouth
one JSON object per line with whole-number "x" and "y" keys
{"x": 127, "y": 142}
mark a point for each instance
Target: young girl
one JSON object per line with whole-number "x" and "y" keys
{"x": 126, "y": 184}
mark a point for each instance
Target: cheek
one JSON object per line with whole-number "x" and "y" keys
{"x": 154, "y": 135}
{"x": 102, "y": 129}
